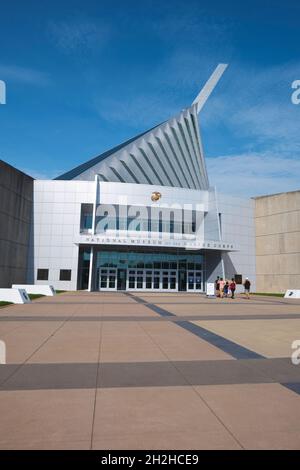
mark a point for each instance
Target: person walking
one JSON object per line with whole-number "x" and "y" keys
{"x": 226, "y": 289}
{"x": 217, "y": 286}
{"x": 232, "y": 287}
{"x": 222, "y": 284}
{"x": 247, "y": 285}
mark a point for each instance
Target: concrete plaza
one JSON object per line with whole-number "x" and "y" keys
{"x": 150, "y": 371}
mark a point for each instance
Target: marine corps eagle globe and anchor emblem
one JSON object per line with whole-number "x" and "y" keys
{"x": 155, "y": 196}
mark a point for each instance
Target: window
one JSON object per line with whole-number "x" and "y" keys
{"x": 131, "y": 282}
{"x": 148, "y": 282}
{"x": 160, "y": 224}
{"x": 86, "y": 218}
{"x": 65, "y": 275}
{"x": 112, "y": 280}
{"x": 103, "y": 280}
{"x": 42, "y": 274}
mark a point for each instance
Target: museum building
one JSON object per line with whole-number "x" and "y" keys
{"x": 141, "y": 217}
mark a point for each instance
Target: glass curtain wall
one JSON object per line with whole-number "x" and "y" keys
{"x": 148, "y": 271}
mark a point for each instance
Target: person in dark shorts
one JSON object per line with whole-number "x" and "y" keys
{"x": 226, "y": 289}
{"x": 232, "y": 287}
{"x": 247, "y": 285}
{"x": 217, "y": 286}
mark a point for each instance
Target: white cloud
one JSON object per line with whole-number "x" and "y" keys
{"x": 256, "y": 109}
{"x": 24, "y": 75}
{"x": 256, "y": 104}
{"x": 254, "y": 174}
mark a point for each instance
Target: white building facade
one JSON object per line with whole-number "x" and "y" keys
{"x": 142, "y": 217}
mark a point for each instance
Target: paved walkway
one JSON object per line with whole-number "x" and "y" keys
{"x": 150, "y": 371}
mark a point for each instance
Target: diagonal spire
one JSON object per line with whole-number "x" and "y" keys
{"x": 202, "y": 97}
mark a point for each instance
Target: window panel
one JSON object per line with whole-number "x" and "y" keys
{"x": 65, "y": 275}
{"x": 42, "y": 274}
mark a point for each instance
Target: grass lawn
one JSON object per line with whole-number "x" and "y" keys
{"x": 31, "y": 296}
{"x": 3, "y": 303}
{"x": 35, "y": 296}
{"x": 270, "y": 294}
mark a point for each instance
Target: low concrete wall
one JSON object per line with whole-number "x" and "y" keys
{"x": 16, "y": 204}
{"x": 16, "y": 296}
{"x": 277, "y": 222}
{"x": 36, "y": 289}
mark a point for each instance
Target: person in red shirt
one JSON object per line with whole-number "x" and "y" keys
{"x": 232, "y": 287}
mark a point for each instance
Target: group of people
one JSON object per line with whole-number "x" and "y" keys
{"x": 225, "y": 288}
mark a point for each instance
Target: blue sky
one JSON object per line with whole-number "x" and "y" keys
{"x": 83, "y": 76}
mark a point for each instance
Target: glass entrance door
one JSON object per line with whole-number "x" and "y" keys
{"x": 182, "y": 280}
{"x": 152, "y": 279}
{"x": 107, "y": 279}
{"x": 148, "y": 272}
{"x": 194, "y": 281}
{"x": 121, "y": 279}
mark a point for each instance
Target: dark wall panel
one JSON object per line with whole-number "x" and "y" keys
{"x": 16, "y": 205}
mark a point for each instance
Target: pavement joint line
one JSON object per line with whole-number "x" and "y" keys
{"x": 174, "y": 318}
{"x": 228, "y": 301}
{"x": 3, "y": 335}
{"x": 34, "y": 352}
{"x": 218, "y": 418}
{"x": 234, "y": 349}
{"x": 96, "y": 383}
{"x": 272, "y": 301}
{"x": 195, "y": 390}
{"x": 224, "y": 302}
{"x": 228, "y": 304}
